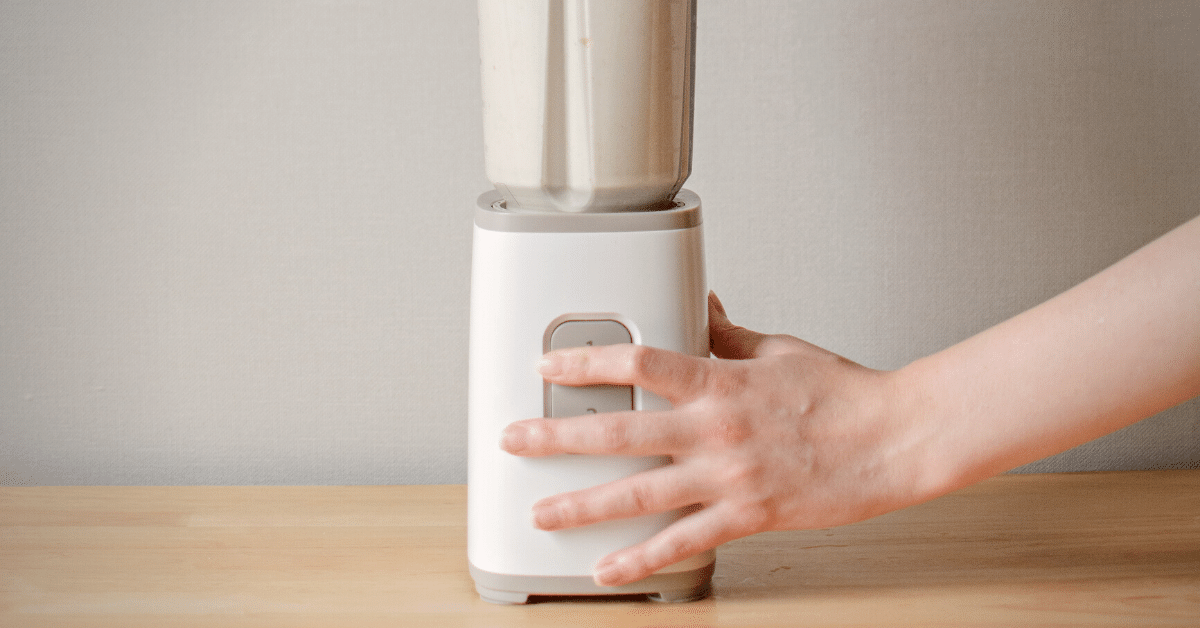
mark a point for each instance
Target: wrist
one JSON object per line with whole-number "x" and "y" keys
{"x": 933, "y": 453}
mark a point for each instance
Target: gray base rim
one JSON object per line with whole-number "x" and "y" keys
{"x": 491, "y": 215}
{"x": 681, "y": 586}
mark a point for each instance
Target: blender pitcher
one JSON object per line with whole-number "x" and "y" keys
{"x": 587, "y": 104}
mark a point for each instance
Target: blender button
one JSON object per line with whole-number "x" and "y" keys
{"x": 576, "y": 400}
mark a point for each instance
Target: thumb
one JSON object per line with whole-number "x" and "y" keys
{"x": 726, "y": 340}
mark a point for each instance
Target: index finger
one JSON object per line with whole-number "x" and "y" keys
{"x": 673, "y": 376}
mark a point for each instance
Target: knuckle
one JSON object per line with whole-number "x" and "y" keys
{"x": 725, "y": 431}
{"x": 756, "y": 517}
{"x": 570, "y": 510}
{"x": 781, "y": 344}
{"x": 579, "y": 364}
{"x": 739, "y": 474}
{"x": 640, "y": 564}
{"x": 641, "y": 360}
{"x": 641, "y": 498}
{"x": 540, "y": 435}
{"x": 728, "y": 382}
{"x": 676, "y": 547}
{"x": 613, "y": 434}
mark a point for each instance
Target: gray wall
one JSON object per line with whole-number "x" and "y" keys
{"x": 234, "y": 237}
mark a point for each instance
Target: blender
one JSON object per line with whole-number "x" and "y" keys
{"x": 587, "y": 239}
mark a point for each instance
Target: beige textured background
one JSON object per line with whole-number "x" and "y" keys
{"x": 234, "y": 236}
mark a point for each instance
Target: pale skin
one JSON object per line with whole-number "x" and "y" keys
{"x": 778, "y": 434}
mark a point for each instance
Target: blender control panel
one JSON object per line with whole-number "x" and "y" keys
{"x": 565, "y": 401}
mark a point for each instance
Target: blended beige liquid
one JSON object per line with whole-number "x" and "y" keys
{"x": 587, "y": 104}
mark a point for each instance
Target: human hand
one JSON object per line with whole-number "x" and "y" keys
{"x": 778, "y": 434}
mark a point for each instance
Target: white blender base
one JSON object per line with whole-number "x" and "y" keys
{"x": 546, "y": 280}
{"x": 681, "y": 586}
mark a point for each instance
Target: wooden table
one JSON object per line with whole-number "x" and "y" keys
{"x": 1019, "y": 550}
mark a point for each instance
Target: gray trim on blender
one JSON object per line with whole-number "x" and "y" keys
{"x": 681, "y": 586}
{"x": 490, "y": 214}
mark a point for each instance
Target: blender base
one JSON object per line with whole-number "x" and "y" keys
{"x": 681, "y": 586}
{"x": 546, "y": 280}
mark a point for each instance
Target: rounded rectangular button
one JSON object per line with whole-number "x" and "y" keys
{"x": 567, "y": 401}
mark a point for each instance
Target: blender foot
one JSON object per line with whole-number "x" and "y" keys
{"x": 681, "y": 595}
{"x": 496, "y": 596}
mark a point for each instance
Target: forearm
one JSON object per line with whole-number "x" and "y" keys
{"x": 1111, "y": 351}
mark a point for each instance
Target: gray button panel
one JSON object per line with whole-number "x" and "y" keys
{"x": 567, "y": 401}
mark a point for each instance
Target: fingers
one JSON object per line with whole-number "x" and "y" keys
{"x": 729, "y": 341}
{"x": 654, "y": 491}
{"x": 687, "y": 537}
{"x": 673, "y": 376}
{"x": 620, "y": 433}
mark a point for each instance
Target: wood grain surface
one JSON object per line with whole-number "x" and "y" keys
{"x": 1096, "y": 549}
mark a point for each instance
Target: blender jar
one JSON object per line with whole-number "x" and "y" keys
{"x": 587, "y": 105}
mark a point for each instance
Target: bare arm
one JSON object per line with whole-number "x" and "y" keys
{"x": 1111, "y": 351}
{"x": 784, "y": 435}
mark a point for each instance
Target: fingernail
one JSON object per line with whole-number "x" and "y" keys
{"x": 549, "y": 365}
{"x": 545, "y": 516}
{"x": 712, "y": 296}
{"x": 514, "y": 438}
{"x": 607, "y": 573}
